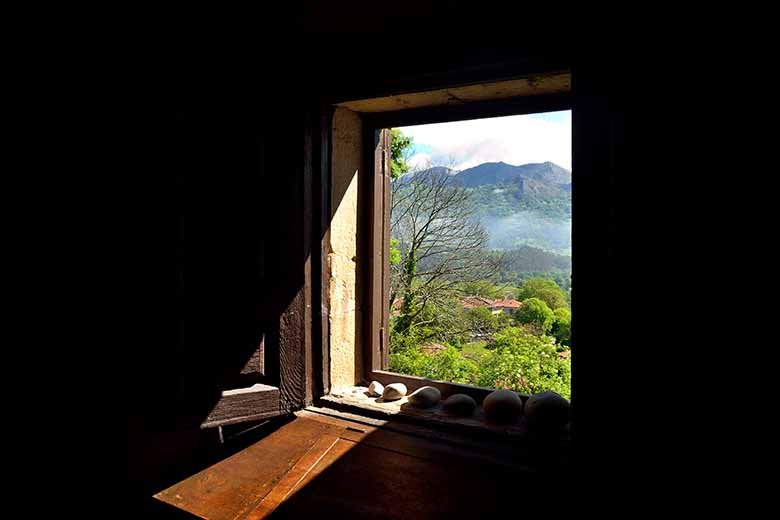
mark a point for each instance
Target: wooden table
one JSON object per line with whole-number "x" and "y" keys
{"x": 324, "y": 466}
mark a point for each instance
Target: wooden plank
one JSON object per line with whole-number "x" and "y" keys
{"x": 293, "y": 478}
{"x": 472, "y": 110}
{"x": 256, "y": 402}
{"x": 316, "y": 462}
{"x": 234, "y": 486}
{"x": 363, "y": 481}
{"x": 449, "y": 436}
{"x": 524, "y": 454}
{"x": 533, "y": 85}
{"x": 336, "y": 451}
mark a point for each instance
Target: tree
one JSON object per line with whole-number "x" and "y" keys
{"x": 545, "y": 290}
{"x": 535, "y": 312}
{"x": 525, "y": 363}
{"x": 480, "y": 321}
{"x": 400, "y": 147}
{"x": 487, "y": 289}
{"x": 441, "y": 244}
{"x": 561, "y": 327}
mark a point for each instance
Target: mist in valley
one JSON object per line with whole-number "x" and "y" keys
{"x": 528, "y": 228}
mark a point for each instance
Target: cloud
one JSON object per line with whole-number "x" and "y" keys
{"x": 419, "y": 161}
{"x": 512, "y": 139}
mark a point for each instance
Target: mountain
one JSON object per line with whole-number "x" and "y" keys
{"x": 526, "y": 205}
{"x": 545, "y": 178}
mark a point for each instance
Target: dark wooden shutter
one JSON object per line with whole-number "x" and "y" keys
{"x": 244, "y": 300}
{"x": 376, "y": 352}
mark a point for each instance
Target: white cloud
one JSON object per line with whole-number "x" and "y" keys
{"x": 513, "y": 139}
{"x": 419, "y": 161}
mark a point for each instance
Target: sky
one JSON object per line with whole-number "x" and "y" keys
{"x": 514, "y": 140}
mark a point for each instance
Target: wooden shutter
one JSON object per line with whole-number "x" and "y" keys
{"x": 376, "y": 353}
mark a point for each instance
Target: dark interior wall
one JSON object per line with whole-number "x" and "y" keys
{"x": 221, "y": 247}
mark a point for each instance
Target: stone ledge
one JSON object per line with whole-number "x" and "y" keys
{"x": 356, "y": 399}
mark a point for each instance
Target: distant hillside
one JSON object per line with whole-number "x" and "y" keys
{"x": 537, "y": 177}
{"x": 521, "y": 205}
{"x": 530, "y": 259}
{"x": 502, "y": 189}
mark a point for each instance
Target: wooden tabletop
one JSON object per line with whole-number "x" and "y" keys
{"x": 318, "y": 465}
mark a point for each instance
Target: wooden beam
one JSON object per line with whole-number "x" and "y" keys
{"x": 534, "y": 85}
{"x": 244, "y": 404}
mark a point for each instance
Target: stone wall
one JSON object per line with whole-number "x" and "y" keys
{"x": 345, "y": 305}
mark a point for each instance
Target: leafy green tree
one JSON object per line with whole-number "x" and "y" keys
{"x": 525, "y": 363}
{"x": 400, "y": 147}
{"x": 535, "y": 312}
{"x": 545, "y": 290}
{"x": 561, "y": 327}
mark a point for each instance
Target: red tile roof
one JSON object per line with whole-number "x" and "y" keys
{"x": 471, "y": 302}
{"x": 506, "y": 303}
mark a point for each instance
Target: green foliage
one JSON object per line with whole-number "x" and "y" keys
{"x": 399, "y": 147}
{"x": 395, "y": 252}
{"x": 525, "y": 363}
{"x": 527, "y": 259}
{"x": 561, "y": 327}
{"x": 475, "y": 351}
{"x": 518, "y": 360}
{"x": 501, "y": 200}
{"x": 535, "y": 312}
{"x": 545, "y": 290}
{"x": 446, "y": 365}
{"x": 480, "y": 320}
{"x": 485, "y": 288}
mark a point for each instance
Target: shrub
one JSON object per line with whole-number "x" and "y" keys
{"x": 446, "y": 365}
{"x": 525, "y": 363}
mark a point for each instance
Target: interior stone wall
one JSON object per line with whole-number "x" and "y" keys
{"x": 345, "y": 305}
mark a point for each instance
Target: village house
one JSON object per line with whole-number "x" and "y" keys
{"x": 505, "y": 305}
{"x": 497, "y": 306}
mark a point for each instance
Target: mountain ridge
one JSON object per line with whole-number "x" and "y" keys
{"x": 529, "y": 204}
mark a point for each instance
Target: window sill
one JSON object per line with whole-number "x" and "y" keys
{"x": 355, "y": 400}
